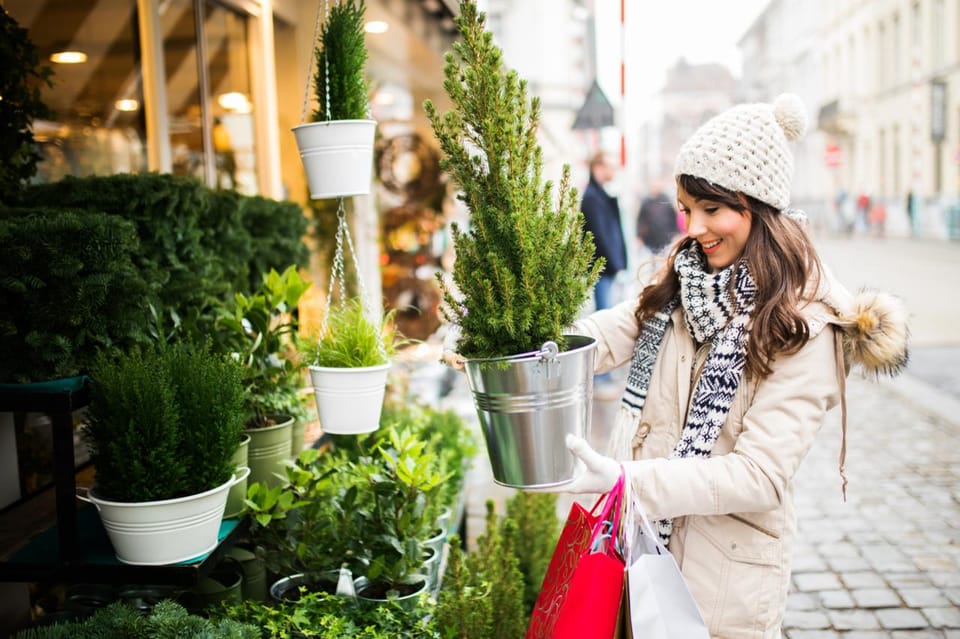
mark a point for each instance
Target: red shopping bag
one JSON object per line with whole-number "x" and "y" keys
{"x": 581, "y": 591}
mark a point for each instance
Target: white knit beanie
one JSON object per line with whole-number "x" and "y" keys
{"x": 745, "y": 149}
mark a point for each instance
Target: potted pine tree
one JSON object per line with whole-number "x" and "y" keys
{"x": 351, "y": 356}
{"x": 337, "y": 147}
{"x": 522, "y": 270}
{"x": 163, "y": 425}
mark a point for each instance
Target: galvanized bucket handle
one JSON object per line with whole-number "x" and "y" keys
{"x": 548, "y": 351}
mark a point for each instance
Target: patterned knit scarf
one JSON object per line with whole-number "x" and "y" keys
{"x": 711, "y": 316}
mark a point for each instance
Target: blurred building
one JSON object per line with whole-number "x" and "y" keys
{"x": 882, "y": 79}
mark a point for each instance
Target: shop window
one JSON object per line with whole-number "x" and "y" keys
{"x": 215, "y": 96}
{"x": 98, "y": 126}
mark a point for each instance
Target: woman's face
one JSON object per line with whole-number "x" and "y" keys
{"x": 721, "y": 231}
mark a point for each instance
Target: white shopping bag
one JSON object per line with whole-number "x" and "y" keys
{"x": 660, "y": 605}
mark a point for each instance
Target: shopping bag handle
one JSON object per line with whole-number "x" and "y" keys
{"x": 613, "y": 505}
{"x": 638, "y": 517}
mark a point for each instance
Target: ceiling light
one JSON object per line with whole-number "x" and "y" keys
{"x": 376, "y": 26}
{"x": 68, "y": 57}
{"x": 127, "y": 104}
{"x": 234, "y": 101}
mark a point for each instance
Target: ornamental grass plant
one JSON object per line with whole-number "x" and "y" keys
{"x": 523, "y": 266}
{"x": 351, "y": 340}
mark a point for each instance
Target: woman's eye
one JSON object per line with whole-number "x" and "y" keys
{"x": 711, "y": 209}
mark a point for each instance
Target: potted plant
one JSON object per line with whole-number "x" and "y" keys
{"x": 260, "y": 331}
{"x": 350, "y": 361}
{"x": 162, "y": 427}
{"x": 337, "y": 147}
{"x": 401, "y": 478}
{"x": 523, "y": 267}
{"x": 305, "y": 527}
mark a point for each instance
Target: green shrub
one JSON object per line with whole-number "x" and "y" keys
{"x": 165, "y": 621}
{"x": 276, "y": 230}
{"x": 69, "y": 286}
{"x": 352, "y": 340}
{"x": 21, "y": 77}
{"x": 534, "y": 538}
{"x": 163, "y": 423}
{"x": 340, "y": 61}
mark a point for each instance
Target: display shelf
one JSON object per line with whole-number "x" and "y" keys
{"x": 97, "y": 563}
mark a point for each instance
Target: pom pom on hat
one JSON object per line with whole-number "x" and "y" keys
{"x": 790, "y": 115}
{"x": 746, "y": 149}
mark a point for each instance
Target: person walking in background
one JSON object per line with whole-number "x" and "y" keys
{"x": 657, "y": 220}
{"x": 601, "y": 214}
{"x": 736, "y": 353}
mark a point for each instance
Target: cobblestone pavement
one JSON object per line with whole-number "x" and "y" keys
{"x": 883, "y": 565}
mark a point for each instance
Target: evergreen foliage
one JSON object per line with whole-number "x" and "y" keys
{"x": 340, "y": 64}
{"x": 534, "y": 539}
{"x": 482, "y": 593}
{"x": 276, "y": 230}
{"x": 68, "y": 287}
{"x": 523, "y": 266}
{"x": 163, "y": 422}
{"x": 165, "y": 621}
{"x": 21, "y": 77}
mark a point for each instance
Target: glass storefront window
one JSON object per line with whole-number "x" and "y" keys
{"x": 229, "y": 110}
{"x": 98, "y": 124}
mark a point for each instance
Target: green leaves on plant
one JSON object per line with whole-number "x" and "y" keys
{"x": 352, "y": 340}
{"x": 523, "y": 265}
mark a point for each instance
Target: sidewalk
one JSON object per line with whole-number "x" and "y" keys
{"x": 883, "y": 565}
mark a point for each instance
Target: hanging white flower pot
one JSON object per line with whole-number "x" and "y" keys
{"x": 349, "y": 400}
{"x": 337, "y": 156}
{"x": 167, "y": 531}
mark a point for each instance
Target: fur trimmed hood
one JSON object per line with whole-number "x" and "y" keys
{"x": 873, "y": 326}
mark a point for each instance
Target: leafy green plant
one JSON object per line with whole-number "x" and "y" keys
{"x": 163, "y": 423}
{"x": 167, "y": 619}
{"x": 341, "y": 87}
{"x": 324, "y": 616}
{"x": 69, "y": 287}
{"x": 352, "y": 340}
{"x": 523, "y": 266}
{"x": 482, "y": 593}
{"x": 260, "y": 331}
{"x": 308, "y": 524}
{"x": 401, "y": 478}
{"x": 21, "y": 77}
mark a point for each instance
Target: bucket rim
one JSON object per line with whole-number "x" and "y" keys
{"x": 307, "y": 125}
{"x": 583, "y": 342}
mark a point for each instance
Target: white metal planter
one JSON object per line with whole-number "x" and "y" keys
{"x": 337, "y": 156}
{"x": 168, "y": 531}
{"x": 349, "y": 400}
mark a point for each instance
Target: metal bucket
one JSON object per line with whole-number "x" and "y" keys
{"x": 528, "y": 404}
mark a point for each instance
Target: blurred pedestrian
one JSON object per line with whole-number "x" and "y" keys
{"x": 657, "y": 220}
{"x": 736, "y": 353}
{"x": 601, "y": 214}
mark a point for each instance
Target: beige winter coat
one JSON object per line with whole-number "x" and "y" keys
{"x": 734, "y": 515}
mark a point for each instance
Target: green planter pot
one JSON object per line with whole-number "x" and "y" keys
{"x": 298, "y": 433}
{"x": 268, "y": 451}
{"x": 235, "y": 497}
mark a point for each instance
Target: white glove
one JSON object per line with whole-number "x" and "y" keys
{"x": 595, "y": 473}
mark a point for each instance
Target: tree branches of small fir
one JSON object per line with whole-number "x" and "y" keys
{"x": 523, "y": 266}
{"x": 341, "y": 60}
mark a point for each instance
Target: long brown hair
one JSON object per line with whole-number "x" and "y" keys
{"x": 781, "y": 260}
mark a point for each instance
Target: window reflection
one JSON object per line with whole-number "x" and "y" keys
{"x": 98, "y": 124}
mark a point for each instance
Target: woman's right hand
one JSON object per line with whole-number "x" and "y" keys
{"x": 453, "y": 359}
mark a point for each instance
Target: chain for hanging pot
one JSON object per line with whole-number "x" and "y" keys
{"x": 337, "y": 276}
{"x": 322, "y": 12}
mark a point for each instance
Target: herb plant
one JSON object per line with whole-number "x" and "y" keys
{"x": 341, "y": 59}
{"x": 523, "y": 266}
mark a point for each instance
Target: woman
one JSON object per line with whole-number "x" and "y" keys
{"x": 737, "y": 352}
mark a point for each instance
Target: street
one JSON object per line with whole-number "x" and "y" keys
{"x": 885, "y": 564}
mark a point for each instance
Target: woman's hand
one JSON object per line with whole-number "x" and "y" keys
{"x": 452, "y": 359}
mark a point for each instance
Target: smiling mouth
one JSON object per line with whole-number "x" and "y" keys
{"x": 709, "y": 246}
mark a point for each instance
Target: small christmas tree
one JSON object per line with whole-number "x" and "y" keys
{"x": 523, "y": 267}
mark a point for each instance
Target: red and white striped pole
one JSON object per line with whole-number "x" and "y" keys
{"x": 623, "y": 83}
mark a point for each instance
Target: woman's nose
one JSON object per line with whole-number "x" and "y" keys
{"x": 695, "y": 225}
